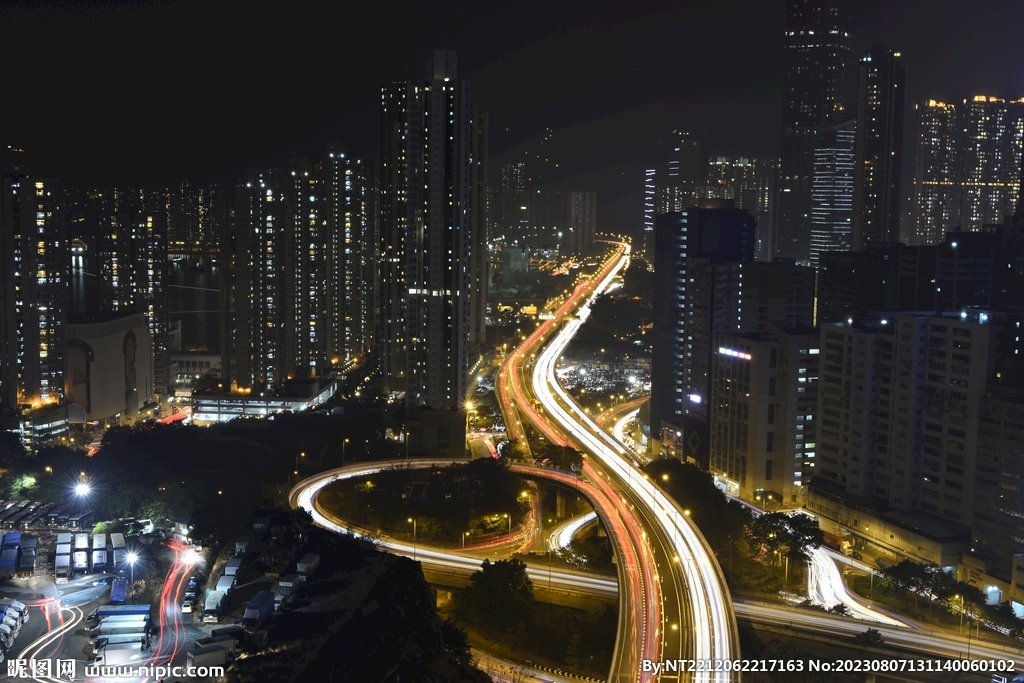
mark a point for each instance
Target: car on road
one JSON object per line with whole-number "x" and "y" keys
{"x": 193, "y": 581}
{"x": 186, "y": 605}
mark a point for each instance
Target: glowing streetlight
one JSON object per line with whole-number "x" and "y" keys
{"x": 413, "y": 521}
{"x": 82, "y": 489}
{"x": 132, "y": 559}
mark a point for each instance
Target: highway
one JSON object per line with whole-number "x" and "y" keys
{"x": 699, "y": 622}
{"x": 927, "y": 643}
{"x": 561, "y": 535}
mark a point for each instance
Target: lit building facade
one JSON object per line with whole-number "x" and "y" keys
{"x": 818, "y": 89}
{"x": 992, "y": 148}
{"x": 936, "y": 173}
{"x": 879, "y": 147}
{"x": 717, "y": 235}
{"x": 832, "y": 190}
{"x": 426, "y": 219}
{"x": 763, "y": 404}
{"x": 132, "y": 261}
{"x": 751, "y": 183}
{"x": 35, "y": 257}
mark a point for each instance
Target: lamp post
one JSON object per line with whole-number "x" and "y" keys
{"x": 132, "y": 557}
{"x": 464, "y": 539}
{"x": 413, "y": 521}
{"x": 343, "y": 442}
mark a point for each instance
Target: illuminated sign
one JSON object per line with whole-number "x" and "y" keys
{"x": 546, "y": 316}
{"x": 694, "y": 398}
{"x": 734, "y": 353}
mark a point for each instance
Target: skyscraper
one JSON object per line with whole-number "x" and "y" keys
{"x": 713, "y": 232}
{"x": 936, "y": 173}
{"x": 818, "y": 89}
{"x": 879, "y": 147}
{"x": 679, "y": 177}
{"x": 132, "y": 262}
{"x": 350, "y": 193}
{"x": 832, "y": 190}
{"x": 426, "y": 219}
{"x": 751, "y": 183}
{"x": 993, "y": 145}
{"x": 35, "y": 261}
{"x": 650, "y": 190}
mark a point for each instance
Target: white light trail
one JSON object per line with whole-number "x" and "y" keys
{"x": 715, "y": 634}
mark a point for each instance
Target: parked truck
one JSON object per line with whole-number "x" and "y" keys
{"x": 234, "y": 630}
{"x": 260, "y": 525}
{"x": 119, "y": 592}
{"x": 81, "y": 542}
{"x": 258, "y": 611}
{"x": 27, "y": 566}
{"x": 215, "y": 602}
{"x": 8, "y": 563}
{"x": 62, "y": 568}
{"x": 289, "y": 585}
{"x": 80, "y": 562}
{"x": 99, "y": 541}
{"x": 119, "y": 611}
{"x": 307, "y": 565}
{"x": 64, "y": 539}
{"x": 118, "y": 619}
{"x": 12, "y": 622}
{"x": 241, "y": 545}
{"x": 227, "y": 642}
{"x": 104, "y": 641}
{"x": 63, "y": 549}
{"x": 12, "y": 539}
{"x": 119, "y": 628}
{"x": 14, "y": 606}
{"x": 99, "y": 562}
{"x": 213, "y": 655}
{"x": 232, "y": 567}
{"x": 225, "y": 584}
{"x": 120, "y": 654}
{"x": 29, "y": 545}
{"x": 117, "y": 541}
{"x": 121, "y": 560}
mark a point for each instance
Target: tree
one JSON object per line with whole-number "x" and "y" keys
{"x": 574, "y": 650}
{"x": 499, "y": 595}
{"x": 456, "y": 643}
{"x": 871, "y": 637}
{"x": 776, "y": 531}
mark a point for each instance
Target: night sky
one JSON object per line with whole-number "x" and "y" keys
{"x": 146, "y": 92}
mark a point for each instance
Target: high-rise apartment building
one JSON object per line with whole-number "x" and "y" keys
{"x": 650, "y": 190}
{"x": 426, "y": 218}
{"x": 992, "y": 148}
{"x": 832, "y": 190}
{"x": 936, "y": 174}
{"x": 479, "y": 229}
{"x": 763, "y": 405}
{"x": 818, "y": 89}
{"x": 35, "y": 258}
{"x": 132, "y": 263}
{"x": 900, "y": 405}
{"x": 715, "y": 233}
{"x": 881, "y": 94}
{"x": 751, "y": 183}
{"x": 349, "y": 188}
{"x": 679, "y": 177}
{"x": 736, "y": 297}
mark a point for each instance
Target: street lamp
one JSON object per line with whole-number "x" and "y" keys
{"x": 464, "y": 533}
{"x": 132, "y": 557}
{"x": 343, "y": 442}
{"x": 413, "y": 520}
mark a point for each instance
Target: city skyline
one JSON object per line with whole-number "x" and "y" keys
{"x": 613, "y": 115}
